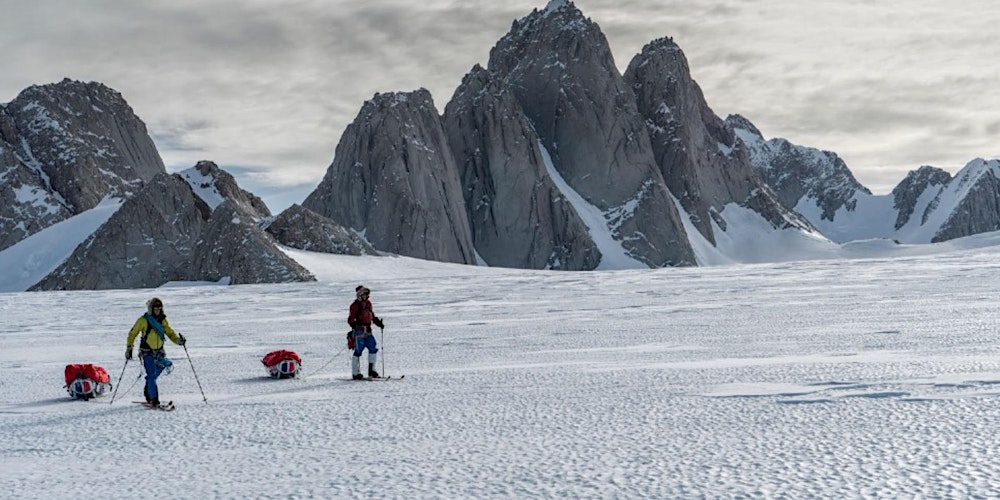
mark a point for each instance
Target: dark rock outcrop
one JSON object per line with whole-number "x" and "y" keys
{"x": 85, "y": 138}
{"x": 168, "y": 232}
{"x": 146, "y": 243}
{"x": 977, "y": 191}
{"x": 907, "y": 193}
{"x": 799, "y": 173}
{"x": 301, "y": 228}
{"x": 233, "y": 246}
{"x": 214, "y": 186}
{"x": 26, "y": 204}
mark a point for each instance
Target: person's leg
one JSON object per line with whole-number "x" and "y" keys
{"x": 152, "y": 372}
{"x": 372, "y": 355}
{"x": 359, "y": 345}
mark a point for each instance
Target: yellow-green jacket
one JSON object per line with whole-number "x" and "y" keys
{"x": 150, "y": 340}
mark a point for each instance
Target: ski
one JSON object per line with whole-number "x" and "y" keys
{"x": 370, "y": 379}
{"x": 168, "y": 406}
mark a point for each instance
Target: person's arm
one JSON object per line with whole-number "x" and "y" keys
{"x": 174, "y": 336}
{"x": 139, "y": 327}
{"x": 352, "y": 315}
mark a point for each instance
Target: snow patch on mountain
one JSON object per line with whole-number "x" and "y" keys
{"x": 203, "y": 186}
{"x": 870, "y": 216}
{"x": 613, "y": 256}
{"x": 34, "y": 257}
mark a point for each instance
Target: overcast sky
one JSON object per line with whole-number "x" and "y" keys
{"x": 266, "y": 87}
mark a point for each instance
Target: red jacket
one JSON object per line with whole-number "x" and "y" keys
{"x": 361, "y": 315}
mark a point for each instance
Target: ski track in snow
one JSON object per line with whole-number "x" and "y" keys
{"x": 862, "y": 378}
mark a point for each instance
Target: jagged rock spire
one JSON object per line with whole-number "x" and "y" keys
{"x": 698, "y": 155}
{"x": 393, "y": 179}
{"x": 560, "y": 68}
{"x": 518, "y": 216}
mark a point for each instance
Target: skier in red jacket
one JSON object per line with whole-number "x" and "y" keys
{"x": 361, "y": 319}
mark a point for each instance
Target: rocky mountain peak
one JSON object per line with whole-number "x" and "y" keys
{"x": 697, "y": 153}
{"x": 394, "y": 180}
{"x": 64, "y": 148}
{"x": 664, "y": 49}
{"x": 559, "y": 35}
{"x": 800, "y": 174}
{"x": 555, "y": 5}
{"x": 560, "y": 68}
{"x": 419, "y": 100}
{"x": 971, "y": 201}
{"x": 740, "y": 123}
{"x": 85, "y": 138}
{"x": 517, "y": 215}
{"x": 906, "y": 195}
{"x": 214, "y": 185}
{"x": 561, "y": 13}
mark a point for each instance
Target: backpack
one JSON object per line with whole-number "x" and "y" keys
{"x": 85, "y": 381}
{"x": 282, "y": 364}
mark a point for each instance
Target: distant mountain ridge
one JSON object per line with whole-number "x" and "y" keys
{"x": 928, "y": 206}
{"x": 547, "y": 158}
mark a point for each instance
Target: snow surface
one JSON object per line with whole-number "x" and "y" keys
{"x": 829, "y": 378}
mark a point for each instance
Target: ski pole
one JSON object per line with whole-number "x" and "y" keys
{"x": 195, "y": 373}
{"x": 113, "y": 396}
{"x": 381, "y": 339}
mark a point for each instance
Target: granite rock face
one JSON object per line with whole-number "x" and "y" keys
{"x": 233, "y": 246}
{"x": 176, "y": 230}
{"x": 800, "y": 174}
{"x": 907, "y": 194}
{"x": 517, "y": 215}
{"x": 560, "y": 68}
{"x": 698, "y": 154}
{"x": 976, "y": 209}
{"x": 214, "y": 186}
{"x": 64, "y": 148}
{"x": 394, "y": 180}
{"x": 26, "y": 204}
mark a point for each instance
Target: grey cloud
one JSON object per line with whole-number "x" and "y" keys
{"x": 270, "y": 86}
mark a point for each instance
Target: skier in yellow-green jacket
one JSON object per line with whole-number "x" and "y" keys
{"x": 154, "y": 330}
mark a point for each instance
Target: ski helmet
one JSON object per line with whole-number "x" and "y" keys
{"x": 362, "y": 291}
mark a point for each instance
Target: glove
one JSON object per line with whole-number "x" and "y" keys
{"x": 378, "y": 322}
{"x": 128, "y": 353}
{"x": 182, "y": 339}
{"x": 350, "y": 340}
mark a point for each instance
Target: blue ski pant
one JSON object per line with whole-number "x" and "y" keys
{"x": 153, "y": 370}
{"x": 362, "y": 341}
